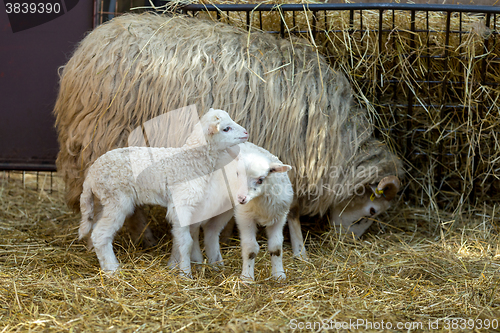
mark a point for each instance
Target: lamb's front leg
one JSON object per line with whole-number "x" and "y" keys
{"x": 181, "y": 251}
{"x": 182, "y": 242}
{"x": 275, "y": 247}
{"x": 249, "y": 246}
{"x": 196, "y": 255}
{"x": 212, "y": 230}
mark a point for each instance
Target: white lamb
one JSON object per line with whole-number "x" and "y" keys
{"x": 264, "y": 194}
{"x": 175, "y": 178}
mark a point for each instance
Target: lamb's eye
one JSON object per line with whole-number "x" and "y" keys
{"x": 259, "y": 181}
{"x": 227, "y": 129}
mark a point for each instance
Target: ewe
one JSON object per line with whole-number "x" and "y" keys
{"x": 175, "y": 178}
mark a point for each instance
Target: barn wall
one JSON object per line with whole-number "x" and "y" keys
{"x": 32, "y": 48}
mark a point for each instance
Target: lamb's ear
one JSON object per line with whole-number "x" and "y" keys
{"x": 211, "y": 109}
{"x": 214, "y": 125}
{"x": 278, "y": 167}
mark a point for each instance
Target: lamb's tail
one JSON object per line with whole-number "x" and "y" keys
{"x": 87, "y": 210}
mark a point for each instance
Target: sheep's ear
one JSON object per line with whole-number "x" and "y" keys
{"x": 387, "y": 188}
{"x": 277, "y": 167}
{"x": 211, "y": 109}
{"x": 214, "y": 126}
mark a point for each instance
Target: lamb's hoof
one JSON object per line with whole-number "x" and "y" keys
{"x": 280, "y": 277}
{"x": 90, "y": 245}
{"x": 197, "y": 259}
{"x": 246, "y": 279}
{"x": 217, "y": 265}
{"x": 302, "y": 255}
{"x": 110, "y": 269}
{"x": 172, "y": 263}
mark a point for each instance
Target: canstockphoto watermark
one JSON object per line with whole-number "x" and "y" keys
{"x": 340, "y": 172}
{"x": 278, "y": 189}
{"x": 364, "y": 324}
{"x": 357, "y": 324}
{"x": 314, "y": 190}
{"x": 319, "y": 189}
{"x": 340, "y": 187}
{"x": 173, "y": 130}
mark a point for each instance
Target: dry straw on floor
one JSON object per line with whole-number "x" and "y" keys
{"x": 50, "y": 282}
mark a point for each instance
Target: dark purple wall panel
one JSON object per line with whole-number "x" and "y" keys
{"x": 29, "y": 60}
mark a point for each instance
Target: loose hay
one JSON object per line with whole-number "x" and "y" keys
{"x": 49, "y": 281}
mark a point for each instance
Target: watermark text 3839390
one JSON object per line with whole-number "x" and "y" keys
{"x": 32, "y": 8}
{"x": 26, "y": 14}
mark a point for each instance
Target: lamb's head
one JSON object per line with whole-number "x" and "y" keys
{"x": 221, "y": 131}
{"x": 252, "y": 172}
{"x": 356, "y": 214}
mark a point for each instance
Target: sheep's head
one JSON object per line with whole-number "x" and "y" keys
{"x": 356, "y": 214}
{"x": 221, "y": 130}
{"x": 252, "y": 173}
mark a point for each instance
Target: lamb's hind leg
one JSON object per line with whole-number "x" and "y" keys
{"x": 275, "y": 247}
{"x": 97, "y": 217}
{"x": 112, "y": 217}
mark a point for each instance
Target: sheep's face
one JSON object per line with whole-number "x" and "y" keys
{"x": 357, "y": 214}
{"x": 252, "y": 173}
{"x": 221, "y": 130}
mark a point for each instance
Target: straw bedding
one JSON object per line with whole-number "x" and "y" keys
{"x": 49, "y": 282}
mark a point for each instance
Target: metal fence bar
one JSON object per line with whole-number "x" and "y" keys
{"x": 410, "y": 92}
{"x": 345, "y": 6}
{"x": 30, "y": 179}
{"x": 28, "y": 167}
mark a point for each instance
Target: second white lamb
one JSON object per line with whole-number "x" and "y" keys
{"x": 263, "y": 195}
